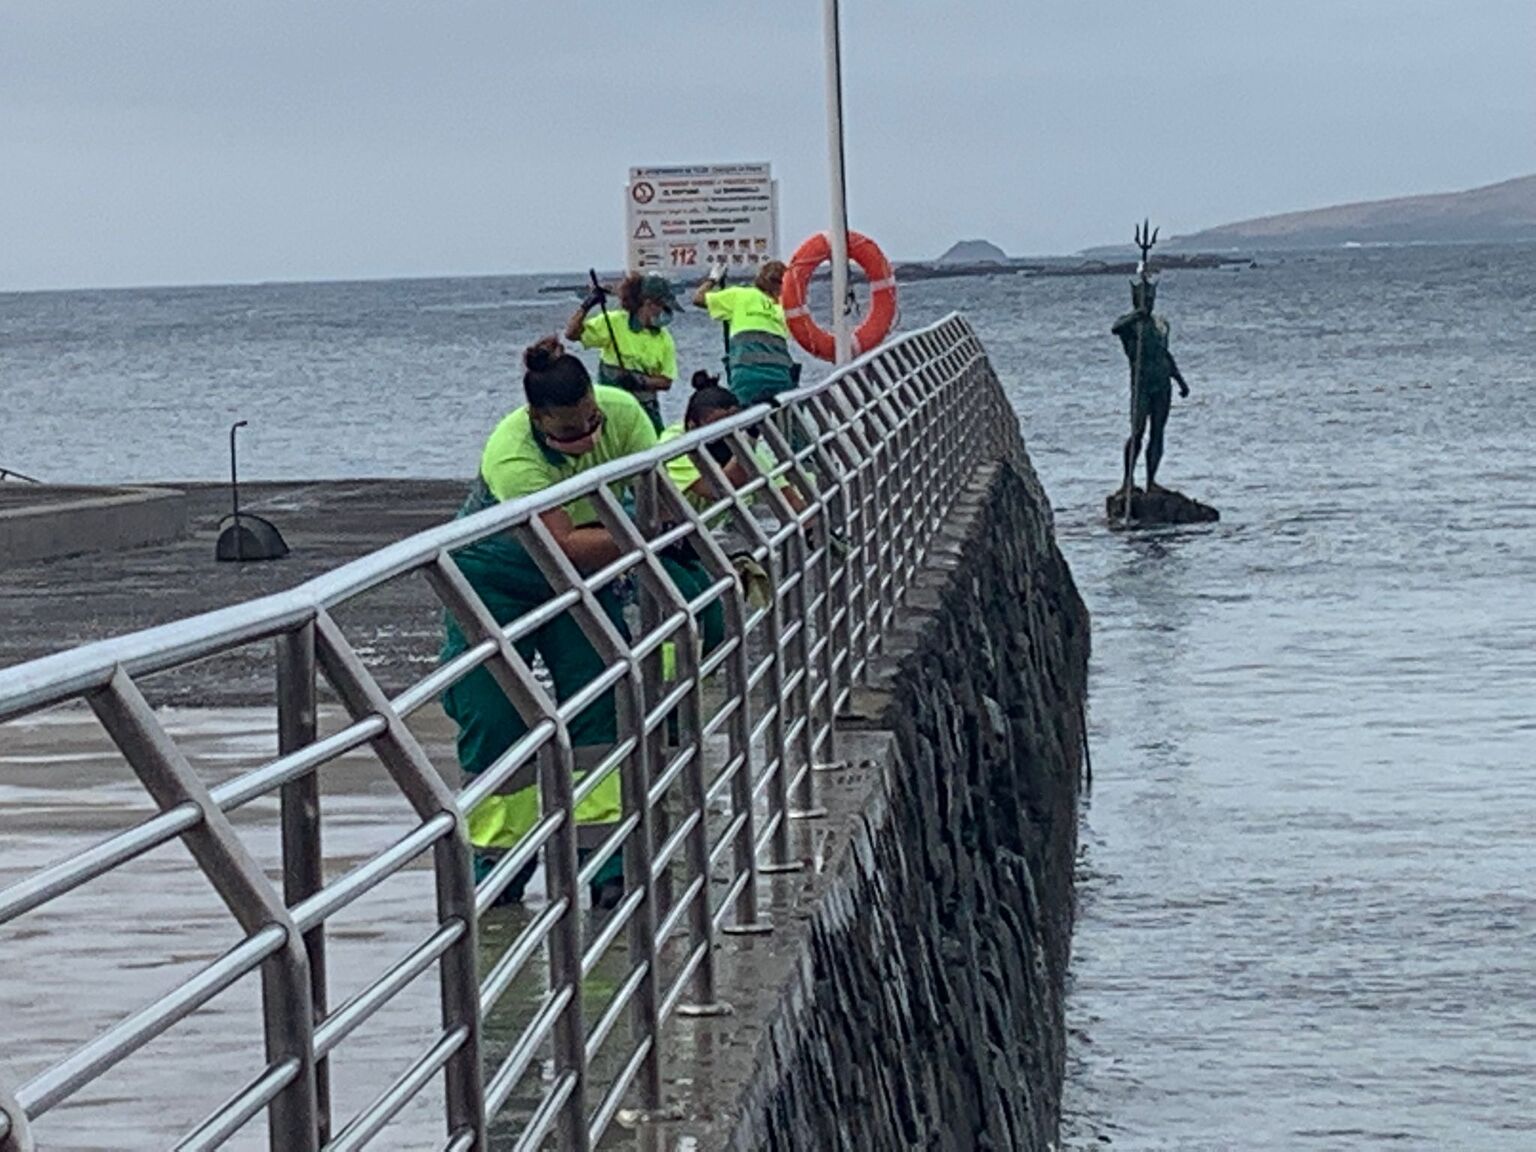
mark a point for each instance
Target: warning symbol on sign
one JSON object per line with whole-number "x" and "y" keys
{"x": 643, "y": 192}
{"x": 645, "y": 231}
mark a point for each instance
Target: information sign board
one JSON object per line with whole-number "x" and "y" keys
{"x": 681, "y": 219}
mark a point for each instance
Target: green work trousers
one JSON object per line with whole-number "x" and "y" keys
{"x": 511, "y": 585}
{"x": 755, "y": 383}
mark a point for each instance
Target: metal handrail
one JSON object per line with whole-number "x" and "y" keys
{"x": 713, "y": 763}
{"x": 49, "y": 680}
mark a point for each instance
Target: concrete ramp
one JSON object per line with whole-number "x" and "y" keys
{"x": 46, "y": 521}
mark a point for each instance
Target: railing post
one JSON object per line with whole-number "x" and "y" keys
{"x": 826, "y": 572}
{"x": 778, "y": 785}
{"x": 555, "y": 769}
{"x": 557, "y": 776}
{"x": 739, "y": 741}
{"x": 15, "y": 1134}
{"x": 737, "y": 676}
{"x": 666, "y": 597}
{"x": 856, "y": 521}
{"x": 878, "y": 567}
{"x": 570, "y": 1047}
{"x": 428, "y": 794}
{"x": 636, "y": 775}
{"x": 701, "y": 913}
{"x": 303, "y": 860}
{"x": 652, "y": 688}
{"x": 240, "y": 882}
{"x": 783, "y": 441}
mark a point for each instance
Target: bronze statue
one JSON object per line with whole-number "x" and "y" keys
{"x": 1144, "y": 337}
{"x": 1153, "y": 370}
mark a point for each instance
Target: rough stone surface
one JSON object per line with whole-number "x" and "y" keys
{"x": 1162, "y": 507}
{"x": 926, "y": 1007}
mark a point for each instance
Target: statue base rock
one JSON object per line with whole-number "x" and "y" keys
{"x": 1164, "y": 506}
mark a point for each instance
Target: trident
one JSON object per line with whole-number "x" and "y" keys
{"x": 1146, "y": 237}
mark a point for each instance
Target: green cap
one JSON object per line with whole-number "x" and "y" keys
{"x": 659, "y": 289}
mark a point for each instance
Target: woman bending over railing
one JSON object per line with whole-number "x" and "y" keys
{"x": 567, "y": 427}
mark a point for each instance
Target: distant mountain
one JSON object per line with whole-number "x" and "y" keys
{"x": 1496, "y": 213}
{"x": 974, "y": 252}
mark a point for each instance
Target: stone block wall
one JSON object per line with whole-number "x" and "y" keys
{"x": 925, "y": 1007}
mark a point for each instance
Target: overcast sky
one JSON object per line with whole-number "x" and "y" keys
{"x": 190, "y": 141}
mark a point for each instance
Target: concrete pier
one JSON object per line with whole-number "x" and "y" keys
{"x": 915, "y": 999}
{"x": 911, "y": 993}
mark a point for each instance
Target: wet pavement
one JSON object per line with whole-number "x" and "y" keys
{"x": 92, "y": 957}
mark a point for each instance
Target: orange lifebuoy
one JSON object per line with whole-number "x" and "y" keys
{"x": 882, "y": 294}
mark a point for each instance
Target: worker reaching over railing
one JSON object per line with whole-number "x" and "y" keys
{"x": 708, "y": 404}
{"x": 759, "y": 362}
{"x": 567, "y": 427}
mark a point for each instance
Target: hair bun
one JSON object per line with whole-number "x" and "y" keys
{"x": 541, "y": 355}
{"x": 702, "y": 379}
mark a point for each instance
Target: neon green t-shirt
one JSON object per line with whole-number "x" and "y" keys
{"x": 685, "y": 473}
{"x": 748, "y": 309}
{"x": 515, "y": 464}
{"x": 650, "y": 351}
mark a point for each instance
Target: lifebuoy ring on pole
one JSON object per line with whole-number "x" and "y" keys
{"x": 882, "y": 295}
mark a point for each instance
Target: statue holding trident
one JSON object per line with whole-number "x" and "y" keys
{"x": 1144, "y": 337}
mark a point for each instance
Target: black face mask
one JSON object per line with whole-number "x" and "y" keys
{"x": 720, "y": 450}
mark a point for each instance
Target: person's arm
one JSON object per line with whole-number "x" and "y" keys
{"x": 589, "y": 547}
{"x": 735, "y": 472}
{"x": 575, "y": 327}
{"x": 701, "y": 488}
{"x": 708, "y": 285}
{"x": 688, "y": 476}
{"x": 1173, "y": 370}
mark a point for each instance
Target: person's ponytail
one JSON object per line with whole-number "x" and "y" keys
{"x": 552, "y": 377}
{"x": 708, "y": 398}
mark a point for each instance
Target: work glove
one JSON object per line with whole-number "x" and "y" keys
{"x": 594, "y": 298}
{"x": 1183, "y": 390}
{"x": 631, "y": 383}
{"x": 755, "y": 585}
{"x": 717, "y": 272}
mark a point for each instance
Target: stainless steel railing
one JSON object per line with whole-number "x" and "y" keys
{"x": 714, "y": 762}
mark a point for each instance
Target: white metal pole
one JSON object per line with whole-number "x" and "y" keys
{"x": 839, "y": 229}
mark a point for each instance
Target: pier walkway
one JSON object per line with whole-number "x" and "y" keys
{"x": 236, "y": 903}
